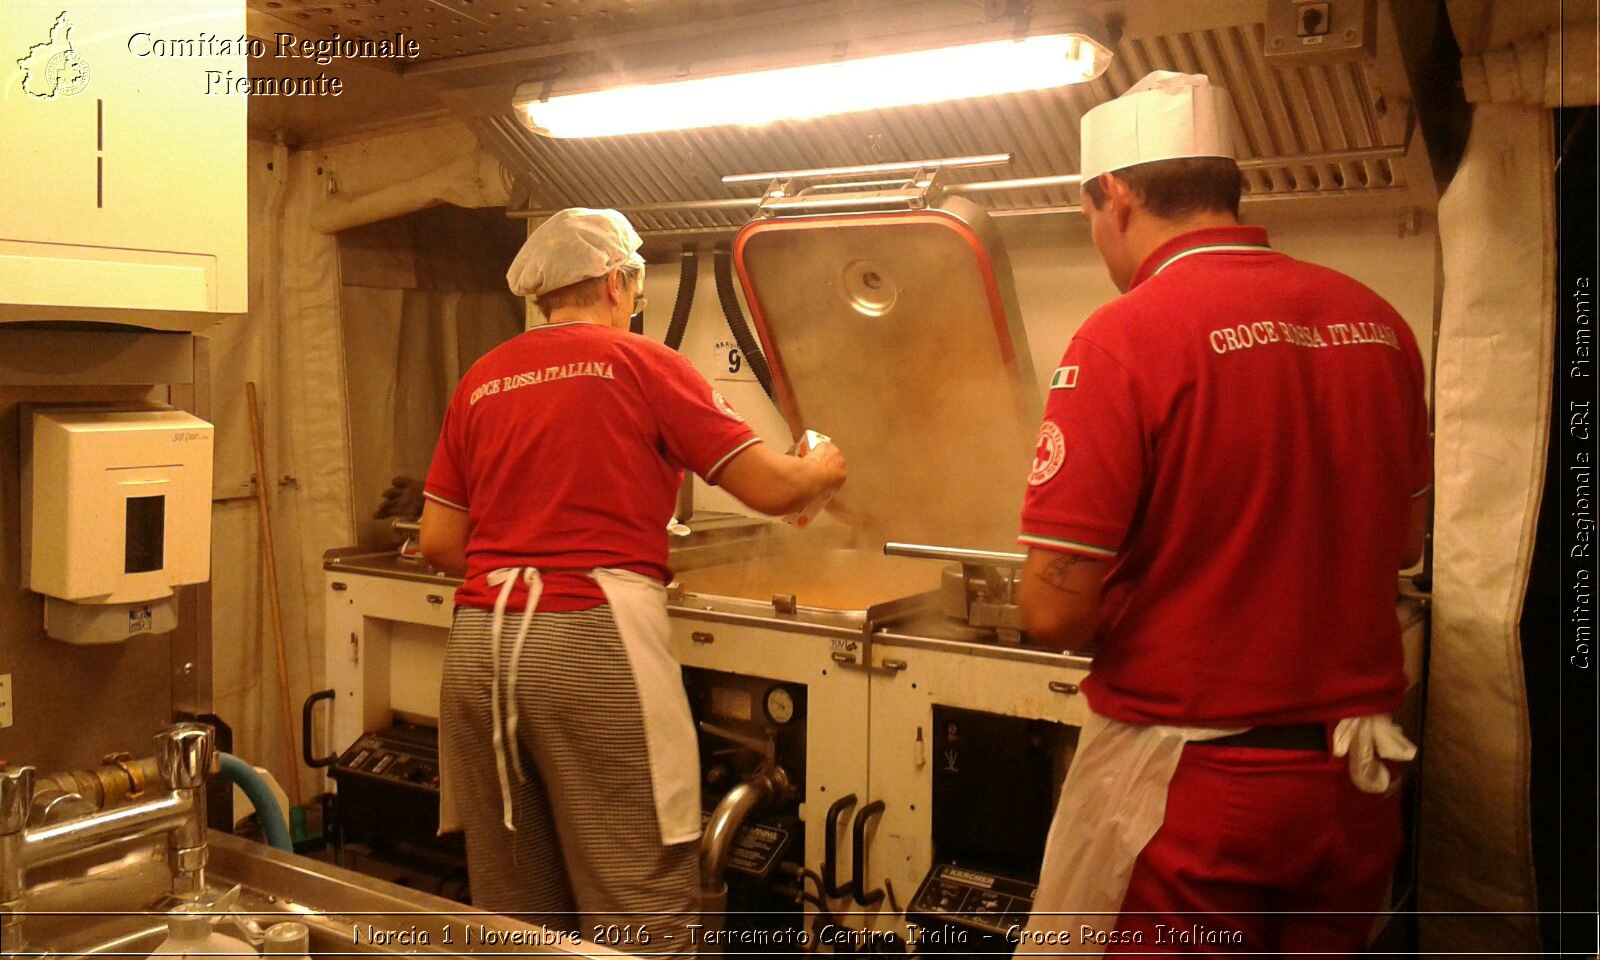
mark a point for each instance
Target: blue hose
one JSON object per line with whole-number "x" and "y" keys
{"x": 267, "y": 811}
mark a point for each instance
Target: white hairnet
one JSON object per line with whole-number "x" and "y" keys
{"x": 575, "y": 244}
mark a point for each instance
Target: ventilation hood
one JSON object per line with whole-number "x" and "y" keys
{"x": 1320, "y": 123}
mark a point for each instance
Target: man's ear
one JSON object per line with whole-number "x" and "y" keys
{"x": 1120, "y": 197}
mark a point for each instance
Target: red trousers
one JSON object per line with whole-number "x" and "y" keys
{"x": 1258, "y": 852}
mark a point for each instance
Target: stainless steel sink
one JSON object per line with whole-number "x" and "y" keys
{"x": 117, "y": 911}
{"x": 137, "y": 936}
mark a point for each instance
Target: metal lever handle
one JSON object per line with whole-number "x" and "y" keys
{"x": 184, "y": 753}
{"x": 906, "y": 198}
{"x": 905, "y": 166}
{"x": 830, "y": 848}
{"x": 858, "y": 850}
{"x": 922, "y": 551}
{"x": 16, "y": 796}
{"x": 766, "y": 748}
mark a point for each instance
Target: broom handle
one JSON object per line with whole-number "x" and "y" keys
{"x": 271, "y": 562}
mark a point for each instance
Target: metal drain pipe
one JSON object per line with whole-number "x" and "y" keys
{"x": 61, "y": 796}
{"x": 768, "y": 785}
{"x": 722, "y": 828}
{"x": 765, "y": 786}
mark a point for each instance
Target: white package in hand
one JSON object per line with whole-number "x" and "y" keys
{"x": 810, "y": 446}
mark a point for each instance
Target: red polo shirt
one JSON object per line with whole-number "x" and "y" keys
{"x": 566, "y": 446}
{"x": 1241, "y": 434}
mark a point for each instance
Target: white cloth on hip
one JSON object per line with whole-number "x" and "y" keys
{"x": 1115, "y": 799}
{"x": 1368, "y": 741}
{"x": 1113, "y": 802}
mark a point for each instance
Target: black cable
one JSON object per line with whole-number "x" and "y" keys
{"x": 688, "y": 275}
{"x": 821, "y": 919}
{"x": 812, "y": 875}
{"x": 722, "y": 261}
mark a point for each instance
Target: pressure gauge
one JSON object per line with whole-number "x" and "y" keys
{"x": 780, "y": 705}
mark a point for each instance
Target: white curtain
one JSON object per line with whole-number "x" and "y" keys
{"x": 406, "y": 350}
{"x": 289, "y": 346}
{"x": 1494, "y": 361}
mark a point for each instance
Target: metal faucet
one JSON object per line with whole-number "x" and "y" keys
{"x": 16, "y": 796}
{"x": 184, "y": 754}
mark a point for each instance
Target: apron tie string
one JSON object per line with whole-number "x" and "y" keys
{"x": 506, "y": 579}
{"x": 529, "y": 575}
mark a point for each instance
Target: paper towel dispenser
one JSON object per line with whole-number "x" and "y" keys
{"x": 116, "y": 514}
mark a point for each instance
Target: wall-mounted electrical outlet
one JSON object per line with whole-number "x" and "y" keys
{"x": 5, "y": 699}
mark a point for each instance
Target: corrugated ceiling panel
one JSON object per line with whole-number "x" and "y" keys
{"x": 1289, "y": 115}
{"x": 458, "y": 28}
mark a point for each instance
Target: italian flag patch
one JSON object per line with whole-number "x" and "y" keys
{"x": 1065, "y": 378}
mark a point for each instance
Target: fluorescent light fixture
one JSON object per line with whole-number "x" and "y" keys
{"x": 820, "y": 90}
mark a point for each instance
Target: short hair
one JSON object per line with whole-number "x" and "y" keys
{"x": 1180, "y": 187}
{"x": 584, "y": 293}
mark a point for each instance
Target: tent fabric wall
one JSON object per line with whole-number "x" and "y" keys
{"x": 1497, "y": 328}
{"x": 406, "y": 351}
{"x": 1553, "y": 69}
{"x": 291, "y": 345}
{"x": 288, "y": 344}
{"x": 424, "y": 296}
{"x": 472, "y": 179}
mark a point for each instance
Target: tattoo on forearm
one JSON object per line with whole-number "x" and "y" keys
{"x": 1056, "y": 571}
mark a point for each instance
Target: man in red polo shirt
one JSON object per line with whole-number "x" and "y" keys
{"x": 569, "y": 755}
{"x": 1231, "y": 470}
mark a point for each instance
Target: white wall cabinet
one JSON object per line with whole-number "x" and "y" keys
{"x": 122, "y": 178}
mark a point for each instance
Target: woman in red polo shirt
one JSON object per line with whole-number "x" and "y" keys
{"x": 569, "y": 752}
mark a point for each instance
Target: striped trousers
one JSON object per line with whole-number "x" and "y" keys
{"x": 587, "y": 848}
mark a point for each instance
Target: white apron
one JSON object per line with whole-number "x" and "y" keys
{"x": 638, "y": 604}
{"x": 1115, "y": 800}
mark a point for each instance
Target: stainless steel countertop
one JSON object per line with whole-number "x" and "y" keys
{"x": 911, "y": 621}
{"x": 714, "y": 538}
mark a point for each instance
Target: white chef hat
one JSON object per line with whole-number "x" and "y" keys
{"x": 1165, "y": 116}
{"x": 576, "y": 244}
